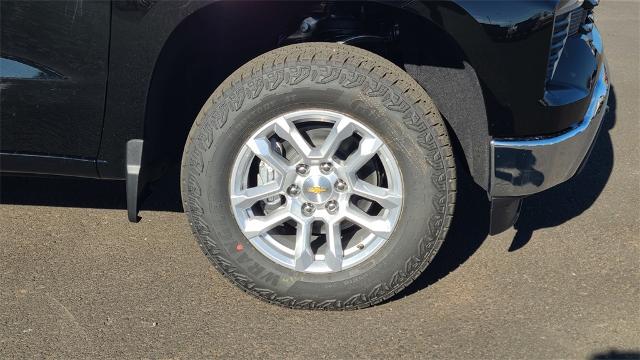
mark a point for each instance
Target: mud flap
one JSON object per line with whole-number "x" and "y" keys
{"x": 134, "y": 178}
{"x": 504, "y": 213}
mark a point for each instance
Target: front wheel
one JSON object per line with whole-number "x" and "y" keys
{"x": 319, "y": 176}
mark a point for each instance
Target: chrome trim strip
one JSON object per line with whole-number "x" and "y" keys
{"x": 569, "y": 6}
{"x": 525, "y": 167}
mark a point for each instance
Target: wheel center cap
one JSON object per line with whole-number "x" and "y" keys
{"x": 317, "y": 189}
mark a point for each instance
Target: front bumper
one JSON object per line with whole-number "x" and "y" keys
{"x": 524, "y": 167}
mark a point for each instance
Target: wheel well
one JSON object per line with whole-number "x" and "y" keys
{"x": 216, "y": 40}
{"x": 203, "y": 50}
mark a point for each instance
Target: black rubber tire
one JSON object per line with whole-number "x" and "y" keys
{"x": 344, "y": 79}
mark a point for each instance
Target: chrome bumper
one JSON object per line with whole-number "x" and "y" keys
{"x": 524, "y": 167}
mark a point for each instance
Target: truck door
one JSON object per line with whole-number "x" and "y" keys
{"x": 53, "y": 73}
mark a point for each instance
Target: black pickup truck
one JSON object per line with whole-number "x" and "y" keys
{"x": 319, "y": 142}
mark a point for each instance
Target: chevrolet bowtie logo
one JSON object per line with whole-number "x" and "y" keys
{"x": 316, "y": 189}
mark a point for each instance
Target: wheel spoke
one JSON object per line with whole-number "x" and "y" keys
{"x": 340, "y": 131}
{"x": 303, "y": 252}
{"x": 287, "y": 130}
{"x": 385, "y": 197}
{"x": 377, "y": 225}
{"x": 260, "y": 224}
{"x": 262, "y": 148}
{"x": 333, "y": 255}
{"x": 263, "y": 174}
{"x": 246, "y": 198}
{"x": 365, "y": 152}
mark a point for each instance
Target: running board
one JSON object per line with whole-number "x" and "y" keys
{"x": 134, "y": 182}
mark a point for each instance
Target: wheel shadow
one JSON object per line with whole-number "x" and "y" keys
{"x": 615, "y": 354}
{"x": 470, "y": 225}
{"x": 469, "y": 228}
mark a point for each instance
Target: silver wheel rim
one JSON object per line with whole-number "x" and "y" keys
{"x": 302, "y": 191}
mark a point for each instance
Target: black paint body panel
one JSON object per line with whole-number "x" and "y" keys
{"x": 507, "y": 44}
{"x": 59, "y": 112}
{"x": 47, "y": 165}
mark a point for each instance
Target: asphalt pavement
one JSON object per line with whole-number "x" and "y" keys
{"x": 78, "y": 281}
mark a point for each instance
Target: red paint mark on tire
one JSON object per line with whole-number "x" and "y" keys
{"x": 239, "y": 247}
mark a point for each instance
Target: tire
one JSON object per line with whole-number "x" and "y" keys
{"x": 345, "y": 80}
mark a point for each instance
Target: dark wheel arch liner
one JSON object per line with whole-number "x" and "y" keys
{"x": 459, "y": 97}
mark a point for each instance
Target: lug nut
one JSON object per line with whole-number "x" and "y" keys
{"x": 302, "y": 169}
{"x": 293, "y": 190}
{"x": 308, "y": 209}
{"x": 340, "y": 185}
{"x": 332, "y": 207}
{"x": 326, "y": 167}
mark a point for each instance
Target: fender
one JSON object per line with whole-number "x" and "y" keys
{"x": 139, "y": 29}
{"x": 487, "y": 91}
{"x": 479, "y": 28}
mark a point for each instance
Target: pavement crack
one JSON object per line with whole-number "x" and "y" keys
{"x": 69, "y": 316}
